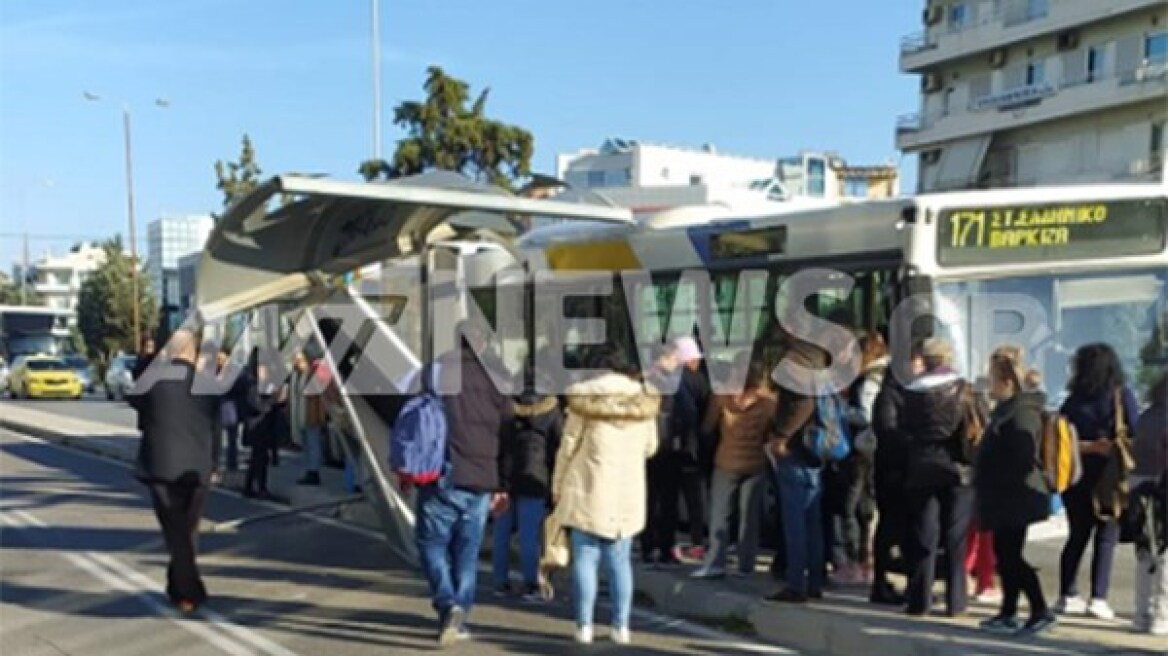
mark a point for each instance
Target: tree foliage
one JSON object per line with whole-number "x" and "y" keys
{"x": 10, "y": 294}
{"x": 105, "y": 313}
{"x": 444, "y": 133}
{"x": 238, "y": 178}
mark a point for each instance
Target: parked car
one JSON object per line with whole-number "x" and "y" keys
{"x": 42, "y": 376}
{"x": 119, "y": 378}
{"x": 80, "y": 365}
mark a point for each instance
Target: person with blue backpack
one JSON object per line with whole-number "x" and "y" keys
{"x": 446, "y": 443}
{"x": 797, "y": 454}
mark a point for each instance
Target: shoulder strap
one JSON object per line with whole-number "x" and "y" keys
{"x": 1121, "y": 428}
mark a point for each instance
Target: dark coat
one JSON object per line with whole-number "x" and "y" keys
{"x": 892, "y": 440}
{"x": 530, "y": 444}
{"x": 688, "y": 411}
{"x": 1011, "y": 487}
{"x": 939, "y": 454}
{"x": 1094, "y": 418}
{"x": 180, "y": 429}
{"x": 475, "y": 417}
{"x": 665, "y": 384}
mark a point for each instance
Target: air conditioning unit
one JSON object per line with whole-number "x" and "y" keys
{"x": 931, "y": 82}
{"x": 933, "y": 15}
{"x": 931, "y": 156}
{"x": 998, "y": 58}
{"x": 1068, "y": 40}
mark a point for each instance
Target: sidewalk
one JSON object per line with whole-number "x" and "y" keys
{"x": 843, "y": 624}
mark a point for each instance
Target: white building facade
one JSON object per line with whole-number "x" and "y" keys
{"x": 169, "y": 239}
{"x": 57, "y": 279}
{"x": 1033, "y": 92}
{"x": 648, "y": 177}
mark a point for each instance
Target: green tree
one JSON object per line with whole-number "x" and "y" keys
{"x": 444, "y": 133}
{"x": 105, "y": 313}
{"x": 10, "y": 294}
{"x": 238, "y": 178}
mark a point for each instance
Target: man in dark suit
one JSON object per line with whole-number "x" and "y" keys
{"x": 178, "y": 411}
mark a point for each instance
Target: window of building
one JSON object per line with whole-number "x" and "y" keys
{"x": 856, "y": 187}
{"x": 695, "y": 179}
{"x": 1035, "y": 73}
{"x": 596, "y": 178}
{"x": 958, "y": 16}
{"x": 1096, "y": 60}
{"x": 816, "y": 177}
{"x": 947, "y": 101}
{"x": 1156, "y": 47}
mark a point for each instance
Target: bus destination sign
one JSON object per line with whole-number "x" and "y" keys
{"x": 1055, "y": 231}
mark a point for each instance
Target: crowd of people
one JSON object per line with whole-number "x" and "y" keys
{"x": 941, "y": 471}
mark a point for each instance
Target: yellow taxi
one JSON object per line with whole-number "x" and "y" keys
{"x": 42, "y": 377}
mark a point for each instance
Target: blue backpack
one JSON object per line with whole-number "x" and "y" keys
{"x": 827, "y": 435}
{"x": 417, "y": 444}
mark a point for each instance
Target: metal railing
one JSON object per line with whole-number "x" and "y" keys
{"x": 917, "y": 42}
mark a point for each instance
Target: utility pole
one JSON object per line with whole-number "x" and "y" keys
{"x": 134, "y": 298}
{"x": 24, "y": 273}
{"x": 376, "y": 79}
{"x": 135, "y": 302}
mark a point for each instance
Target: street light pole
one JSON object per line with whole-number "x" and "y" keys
{"x": 135, "y": 302}
{"x": 376, "y": 79}
{"x": 134, "y": 298}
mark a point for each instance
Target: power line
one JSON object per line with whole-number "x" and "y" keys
{"x": 53, "y": 237}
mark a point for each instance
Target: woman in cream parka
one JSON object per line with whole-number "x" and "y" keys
{"x": 599, "y": 483}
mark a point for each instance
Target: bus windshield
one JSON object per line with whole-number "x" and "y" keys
{"x": 1052, "y": 316}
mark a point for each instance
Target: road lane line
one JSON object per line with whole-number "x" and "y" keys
{"x": 242, "y": 633}
{"x": 650, "y": 618}
{"x": 85, "y": 563}
{"x": 121, "y": 576}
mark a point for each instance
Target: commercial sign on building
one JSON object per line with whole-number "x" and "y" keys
{"x": 1014, "y": 97}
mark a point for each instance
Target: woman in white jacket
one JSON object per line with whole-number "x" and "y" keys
{"x": 599, "y": 484}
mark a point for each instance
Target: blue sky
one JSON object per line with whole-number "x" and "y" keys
{"x": 756, "y": 77}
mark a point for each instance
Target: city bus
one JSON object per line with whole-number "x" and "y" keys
{"x": 1048, "y": 268}
{"x": 33, "y": 330}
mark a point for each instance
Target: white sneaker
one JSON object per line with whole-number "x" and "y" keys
{"x": 1100, "y": 610}
{"x": 621, "y": 635}
{"x": 1070, "y": 606}
{"x": 988, "y": 597}
{"x": 584, "y": 635}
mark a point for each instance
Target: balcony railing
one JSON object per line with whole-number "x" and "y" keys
{"x": 914, "y": 43}
{"x": 1148, "y": 72}
{"x": 909, "y": 122}
{"x": 1010, "y": 14}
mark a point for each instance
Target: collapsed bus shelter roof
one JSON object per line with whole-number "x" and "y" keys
{"x": 295, "y": 233}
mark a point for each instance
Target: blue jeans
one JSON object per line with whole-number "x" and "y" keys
{"x": 313, "y": 448}
{"x": 529, "y": 513}
{"x": 801, "y": 494}
{"x": 449, "y": 531}
{"x": 587, "y": 552}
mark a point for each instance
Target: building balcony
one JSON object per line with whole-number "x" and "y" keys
{"x": 1018, "y": 107}
{"x": 1015, "y": 21}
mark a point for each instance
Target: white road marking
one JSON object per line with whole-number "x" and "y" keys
{"x": 120, "y": 576}
{"x": 681, "y": 626}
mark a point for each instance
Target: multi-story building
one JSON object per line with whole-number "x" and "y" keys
{"x": 168, "y": 240}
{"x": 651, "y": 176}
{"x": 57, "y": 279}
{"x": 1027, "y": 92}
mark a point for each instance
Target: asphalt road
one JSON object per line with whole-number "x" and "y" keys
{"x": 82, "y": 565}
{"x": 1043, "y": 553}
{"x": 93, "y": 407}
